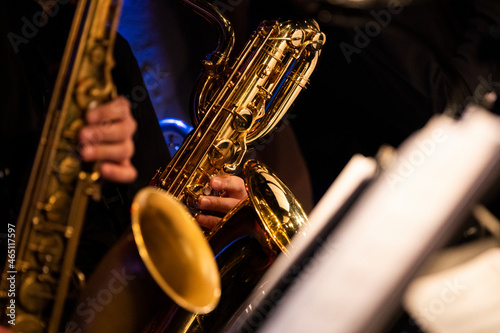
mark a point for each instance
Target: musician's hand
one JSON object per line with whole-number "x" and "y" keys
{"x": 489, "y": 100}
{"x": 5, "y": 330}
{"x": 232, "y": 191}
{"x": 107, "y": 138}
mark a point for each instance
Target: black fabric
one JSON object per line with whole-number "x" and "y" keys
{"x": 30, "y": 66}
{"x": 378, "y": 86}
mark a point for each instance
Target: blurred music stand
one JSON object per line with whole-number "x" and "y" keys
{"x": 350, "y": 278}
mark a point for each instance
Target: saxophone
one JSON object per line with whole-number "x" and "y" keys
{"x": 234, "y": 104}
{"x": 36, "y": 280}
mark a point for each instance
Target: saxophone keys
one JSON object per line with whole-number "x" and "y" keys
{"x": 26, "y": 322}
{"x": 191, "y": 196}
{"x": 207, "y": 189}
{"x": 92, "y": 186}
{"x": 318, "y": 40}
{"x": 68, "y": 233}
{"x": 49, "y": 248}
{"x": 34, "y": 293}
{"x": 56, "y": 206}
{"x": 296, "y": 38}
{"x": 95, "y": 176}
{"x": 97, "y": 55}
{"x": 222, "y": 152}
{"x": 68, "y": 169}
{"x": 243, "y": 120}
{"x": 71, "y": 131}
{"x": 83, "y": 96}
{"x": 265, "y": 71}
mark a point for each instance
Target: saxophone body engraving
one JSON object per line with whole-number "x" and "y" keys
{"x": 53, "y": 210}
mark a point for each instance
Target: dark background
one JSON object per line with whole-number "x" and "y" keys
{"x": 416, "y": 60}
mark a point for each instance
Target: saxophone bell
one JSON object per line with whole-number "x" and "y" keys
{"x": 175, "y": 251}
{"x": 165, "y": 262}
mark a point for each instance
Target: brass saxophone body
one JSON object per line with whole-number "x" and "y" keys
{"x": 48, "y": 229}
{"x": 235, "y": 103}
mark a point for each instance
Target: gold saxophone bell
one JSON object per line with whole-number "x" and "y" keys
{"x": 174, "y": 250}
{"x": 166, "y": 253}
{"x": 246, "y": 242}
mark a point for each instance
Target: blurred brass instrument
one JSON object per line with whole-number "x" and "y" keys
{"x": 37, "y": 277}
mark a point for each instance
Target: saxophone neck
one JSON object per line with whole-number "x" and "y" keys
{"x": 225, "y": 31}
{"x": 216, "y": 61}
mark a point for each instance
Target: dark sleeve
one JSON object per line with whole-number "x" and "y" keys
{"x": 108, "y": 219}
{"x": 151, "y": 151}
{"x": 434, "y": 54}
{"x": 20, "y": 114}
{"x": 385, "y": 71}
{"x": 477, "y": 56}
